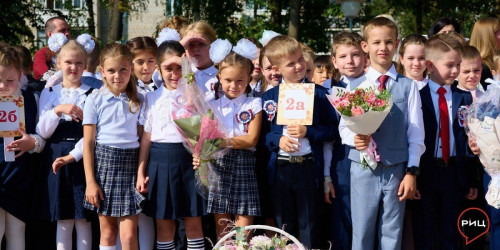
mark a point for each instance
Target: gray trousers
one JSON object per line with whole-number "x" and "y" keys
{"x": 375, "y": 207}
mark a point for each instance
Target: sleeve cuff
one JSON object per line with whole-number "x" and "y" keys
{"x": 53, "y": 116}
{"x": 39, "y": 144}
{"x": 76, "y": 154}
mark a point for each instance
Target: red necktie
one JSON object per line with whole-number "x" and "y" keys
{"x": 382, "y": 80}
{"x": 445, "y": 125}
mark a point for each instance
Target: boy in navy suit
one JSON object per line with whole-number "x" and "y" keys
{"x": 378, "y": 196}
{"x": 349, "y": 59}
{"x": 444, "y": 177}
{"x": 296, "y": 165}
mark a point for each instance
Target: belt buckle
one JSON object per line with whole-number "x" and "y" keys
{"x": 296, "y": 159}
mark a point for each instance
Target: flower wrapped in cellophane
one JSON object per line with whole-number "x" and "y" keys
{"x": 363, "y": 110}
{"x": 202, "y": 132}
{"x": 483, "y": 124}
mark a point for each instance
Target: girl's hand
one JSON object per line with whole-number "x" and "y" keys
{"x": 62, "y": 161}
{"x": 70, "y": 109}
{"x": 142, "y": 184}
{"x": 196, "y": 162}
{"x": 26, "y": 143}
{"x": 93, "y": 194}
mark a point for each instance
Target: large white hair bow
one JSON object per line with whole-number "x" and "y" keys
{"x": 247, "y": 49}
{"x": 86, "y": 41}
{"x": 168, "y": 34}
{"x": 219, "y": 49}
{"x": 56, "y": 41}
{"x": 267, "y": 35}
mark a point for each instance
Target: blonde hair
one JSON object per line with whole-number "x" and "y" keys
{"x": 9, "y": 57}
{"x": 413, "y": 39}
{"x": 347, "y": 39}
{"x": 73, "y": 45}
{"x": 121, "y": 51}
{"x": 201, "y": 27}
{"x": 280, "y": 47}
{"x": 441, "y": 43}
{"x": 379, "y": 22}
{"x": 496, "y": 60}
{"x": 178, "y": 23}
{"x": 483, "y": 38}
{"x": 235, "y": 60}
{"x": 309, "y": 55}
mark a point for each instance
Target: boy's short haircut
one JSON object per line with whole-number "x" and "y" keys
{"x": 379, "y": 22}
{"x": 25, "y": 57}
{"x": 324, "y": 61}
{"x": 280, "y": 47}
{"x": 347, "y": 39}
{"x": 441, "y": 43}
{"x": 470, "y": 53}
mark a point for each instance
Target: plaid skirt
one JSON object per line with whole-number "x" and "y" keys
{"x": 116, "y": 174}
{"x": 237, "y": 192}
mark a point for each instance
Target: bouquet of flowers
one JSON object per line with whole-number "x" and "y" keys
{"x": 483, "y": 123}
{"x": 199, "y": 127}
{"x": 363, "y": 110}
{"x": 261, "y": 242}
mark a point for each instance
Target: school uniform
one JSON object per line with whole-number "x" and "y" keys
{"x": 375, "y": 206}
{"x": 206, "y": 80}
{"x": 257, "y": 90}
{"x": 443, "y": 182}
{"x": 341, "y": 223}
{"x": 116, "y": 152}
{"x": 172, "y": 193}
{"x": 16, "y": 178}
{"x": 61, "y": 195}
{"x": 237, "y": 191}
{"x": 296, "y": 178}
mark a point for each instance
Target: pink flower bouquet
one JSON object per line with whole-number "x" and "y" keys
{"x": 363, "y": 110}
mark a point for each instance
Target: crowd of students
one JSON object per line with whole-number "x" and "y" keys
{"x": 105, "y": 146}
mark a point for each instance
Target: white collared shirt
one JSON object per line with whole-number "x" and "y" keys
{"x": 422, "y": 84}
{"x": 230, "y": 110}
{"x": 206, "y": 80}
{"x": 414, "y": 121}
{"x": 116, "y": 125}
{"x": 144, "y": 88}
{"x": 48, "y": 120}
{"x": 435, "y": 102}
{"x": 156, "y": 116}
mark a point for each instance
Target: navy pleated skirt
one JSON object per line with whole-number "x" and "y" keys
{"x": 172, "y": 193}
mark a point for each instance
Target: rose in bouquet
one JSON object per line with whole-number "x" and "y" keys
{"x": 363, "y": 110}
{"x": 483, "y": 124}
{"x": 260, "y": 242}
{"x": 200, "y": 129}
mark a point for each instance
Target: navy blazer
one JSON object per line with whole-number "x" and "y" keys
{"x": 323, "y": 128}
{"x": 459, "y": 98}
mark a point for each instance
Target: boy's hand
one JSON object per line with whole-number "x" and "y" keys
{"x": 408, "y": 187}
{"x": 142, "y": 184}
{"x": 70, "y": 109}
{"x": 196, "y": 162}
{"x": 297, "y": 131}
{"x": 289, "y": 145}
{"x": 93, "y": 194}
{"x": 329, "y": 190}
{"x": 473, "y": 146}
{"x": 361, "y": 141}
{"x": 25, "y": 144}
{"x": 472, "y": 195}
{"x": 62, "y": 161}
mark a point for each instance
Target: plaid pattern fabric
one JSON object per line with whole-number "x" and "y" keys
{"x": 116, "y": 172}
{"x": 237, "y": 192}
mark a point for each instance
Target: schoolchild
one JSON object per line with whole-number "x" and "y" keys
{"x": 256, "y": 83}
{"x": 241, "y": 116}
{"x": 165, "y": 166}
{"x": 16, "y": 177}
{"x": 62, "y": 184}
{"x": 89, "y": 76}
{"x": 196, "y": 39}
{"x": 444, "y": 179}
{"x": 27, "y": 81}
{"x": 323, "y": 69}
{"x": 470, "y": 71}
{"x": 378, "y": 198}
{"x": 270, "y": 77}
{"x": 295, "y": 168}
{"x": 412, "y": 59}
{"x": 309, "y": 56}
{"x": 144, "y": 50}
{"x": 111, "y": 149}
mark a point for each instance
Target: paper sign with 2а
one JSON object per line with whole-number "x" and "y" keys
{"x": 295, "y": 104}
{"x": 11, "y": 119}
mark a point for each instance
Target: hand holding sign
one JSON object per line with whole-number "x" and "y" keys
{"x": 12, "y": 125}
{"x": 25, "y": 144}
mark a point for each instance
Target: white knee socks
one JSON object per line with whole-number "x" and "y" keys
{"x": 64, "y": 234}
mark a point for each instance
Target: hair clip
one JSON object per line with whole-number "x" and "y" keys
{"x": 56, "y": 41}
{"x": 87, "y": 42}
{"x": 168, "y": 34}
{"x": 247, "y": 49}
{"x": 267, "y": 35}
{"x": 219, "y": 49}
